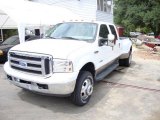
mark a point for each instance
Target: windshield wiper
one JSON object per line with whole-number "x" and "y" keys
{"x": 50, "y": 37}
{"x": 67, "y": 37}
{"x": 70, "y": 38}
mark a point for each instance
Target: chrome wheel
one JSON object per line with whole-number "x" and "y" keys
{"x": 87, "y": 88}
{"x": 83, "y": 88}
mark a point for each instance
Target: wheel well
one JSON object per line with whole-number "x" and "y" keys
{"x": 131, "y": 49}
{"x": 89, "y": 67}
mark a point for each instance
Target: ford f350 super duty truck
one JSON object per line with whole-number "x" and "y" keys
{"x": 68, "y": 60}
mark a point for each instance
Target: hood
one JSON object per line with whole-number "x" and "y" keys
{"x": 58, "y": 48}
{"x": 5, "y": 47}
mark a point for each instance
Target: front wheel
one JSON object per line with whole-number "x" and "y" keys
{"x": 83, "y": 89}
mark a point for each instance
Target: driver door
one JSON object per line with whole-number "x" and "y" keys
{"x": 105, "y": 53}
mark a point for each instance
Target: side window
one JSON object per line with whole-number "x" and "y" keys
{"x": 103, "y": 31}
{"x": 113, "y": 31}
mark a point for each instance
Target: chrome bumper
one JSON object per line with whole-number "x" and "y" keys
{"x": 57, "y": 84}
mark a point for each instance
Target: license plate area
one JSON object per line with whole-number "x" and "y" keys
{"x": 28, "y": 85}
{"x": 25, "y": 84}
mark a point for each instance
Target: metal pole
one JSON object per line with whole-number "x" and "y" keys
{"x": 21, "y": 32}
{"x": 1, "y": 34}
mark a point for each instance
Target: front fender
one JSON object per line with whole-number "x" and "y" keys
{"x": 83, "y": 62}
{"x": 81, "y": 58}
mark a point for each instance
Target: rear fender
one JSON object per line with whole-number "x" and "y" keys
{"x": 126, "y": 47}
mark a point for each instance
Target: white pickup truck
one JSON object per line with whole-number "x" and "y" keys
{"x": 68, "y": 60}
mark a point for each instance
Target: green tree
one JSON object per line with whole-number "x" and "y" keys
{"x": 137, "y": 13}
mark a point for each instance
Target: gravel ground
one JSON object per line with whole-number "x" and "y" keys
{"x": 145, "y": 52}
{"x": 126, "y": 94}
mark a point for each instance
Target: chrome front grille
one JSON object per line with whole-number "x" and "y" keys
{"x": 33, "y": 63}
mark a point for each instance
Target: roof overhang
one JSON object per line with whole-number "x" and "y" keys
{"x": 30, "y": 13}
{"x": 6, "y": 22}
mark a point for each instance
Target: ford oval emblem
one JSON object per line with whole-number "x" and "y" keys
{"x": 23, "y": 64}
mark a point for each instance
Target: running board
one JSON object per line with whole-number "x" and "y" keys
{"x": 107, "y": 71}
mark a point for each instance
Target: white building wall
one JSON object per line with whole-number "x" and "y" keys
{"x": 86, "y": 9}
{"x": 103, "y": 16}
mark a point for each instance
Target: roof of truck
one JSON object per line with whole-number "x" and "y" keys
{"x": 90, "y": 21}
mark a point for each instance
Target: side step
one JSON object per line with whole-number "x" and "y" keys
{"x": 106, "y": 71}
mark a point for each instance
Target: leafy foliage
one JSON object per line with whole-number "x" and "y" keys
{"x": 134, "y": 14}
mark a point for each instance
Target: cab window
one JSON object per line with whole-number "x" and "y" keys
{"x": 113, "y": 30}
{"x": 103, "y": 31}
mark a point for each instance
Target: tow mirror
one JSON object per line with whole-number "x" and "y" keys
{"x": 107, "y": 41}
{"x": 111, "y": 37}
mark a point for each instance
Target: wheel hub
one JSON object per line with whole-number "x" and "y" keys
{"x": 87, "y": 89}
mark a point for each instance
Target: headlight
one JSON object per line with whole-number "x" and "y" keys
{"x": 61, "y": 66}
{"x": 1, "y": 52}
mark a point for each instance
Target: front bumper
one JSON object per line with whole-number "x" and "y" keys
{"x": 57, "y": 84}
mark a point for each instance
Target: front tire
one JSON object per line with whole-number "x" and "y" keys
{"x": 83, "y": 89}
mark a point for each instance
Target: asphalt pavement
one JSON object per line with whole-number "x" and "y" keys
{"x": 126, "y": 94}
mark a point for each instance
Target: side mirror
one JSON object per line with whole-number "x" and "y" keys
{"x": 107, "y": 41}
{"x": 111, "y": 37}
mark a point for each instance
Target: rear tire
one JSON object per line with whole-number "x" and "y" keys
{"x": 127, "y": 61}
{"x": 83, "y": 89}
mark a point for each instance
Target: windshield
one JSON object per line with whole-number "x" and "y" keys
{"x": 14, "y": 40}
{"x": 73, "y": 30}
